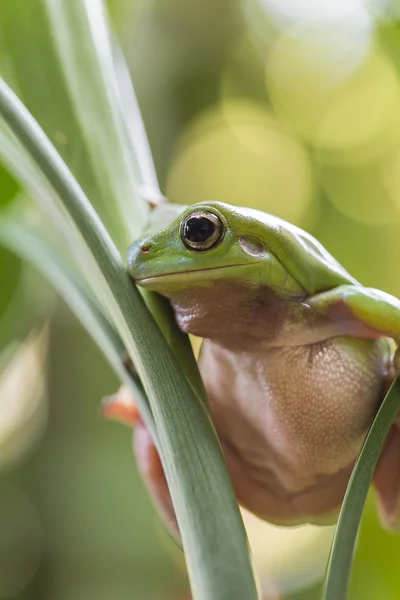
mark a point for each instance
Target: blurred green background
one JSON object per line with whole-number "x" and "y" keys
{"x": 290, "y": 107}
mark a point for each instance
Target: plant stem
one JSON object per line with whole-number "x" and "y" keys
{"x": 343, "y": 547}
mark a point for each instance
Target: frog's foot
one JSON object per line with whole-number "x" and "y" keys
{"x": 121, "y": 407}
{"x": 387, "y": 480}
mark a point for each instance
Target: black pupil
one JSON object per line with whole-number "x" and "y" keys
{"x": 198, "y": 229}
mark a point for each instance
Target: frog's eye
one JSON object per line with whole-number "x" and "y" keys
{"x": 201, "y": 230}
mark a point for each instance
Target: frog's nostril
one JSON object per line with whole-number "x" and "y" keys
{"x": 145, "y": 248}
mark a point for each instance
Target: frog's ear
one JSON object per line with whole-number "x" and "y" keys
{"x": 304, "y": 257}
{"x": 309, "y": 262}
{"x": 387, "y": 481}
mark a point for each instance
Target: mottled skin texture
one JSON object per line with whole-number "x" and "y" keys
{"x": 289, "y": 466}
{"x": 295, "y": 360}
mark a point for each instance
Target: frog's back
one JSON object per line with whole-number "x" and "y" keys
{"x": 292, "y": 419}
{"x": 304, "y": 257}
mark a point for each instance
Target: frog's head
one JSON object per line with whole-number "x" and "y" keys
{"x": 214, "y": 264}
{"x": 226, "y": 267}
{"x": 209, "y": 243}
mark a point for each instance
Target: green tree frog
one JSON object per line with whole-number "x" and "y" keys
{"x": 296, "y": 359}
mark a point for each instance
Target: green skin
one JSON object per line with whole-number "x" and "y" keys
{"x": 296, "y": 358}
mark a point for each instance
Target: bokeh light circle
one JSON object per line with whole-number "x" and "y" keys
{"x": 318, "y": 13}
{"x": 351, "y": 118}
{"x": 24, "y": 408}
{"x": 360, "y": 192}
{"x": 240, "y": 154}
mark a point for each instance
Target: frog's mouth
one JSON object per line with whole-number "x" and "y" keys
{"x": 180, "y": 278}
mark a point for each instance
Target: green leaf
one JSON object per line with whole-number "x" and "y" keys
{"x": 9, "y": 265}
{"x": 212, "y": 531}
{"x": 339, "y": 567}
{"x": 33, "y": 248}
{"x": 59, "y": 57}
{"x": 15, "y": 157}
{"x": 71, "y": 57}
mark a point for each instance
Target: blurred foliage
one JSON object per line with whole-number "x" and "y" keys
{"x": 9, "y": 264}
{"x": 293, "y": 108}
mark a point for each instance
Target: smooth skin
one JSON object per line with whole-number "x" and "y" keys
{"x": 296, "y": 359}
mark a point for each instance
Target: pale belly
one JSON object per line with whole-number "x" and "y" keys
{"x": 292, "y": 420}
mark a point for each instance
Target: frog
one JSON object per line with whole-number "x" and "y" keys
{"x": 296, "y": 358}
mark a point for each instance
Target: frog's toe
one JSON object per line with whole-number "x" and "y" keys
{"x": 387, "y": 481}
{"x": 121, "y": 407}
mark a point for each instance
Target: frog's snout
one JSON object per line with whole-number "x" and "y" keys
{"x": 138, "y": 252}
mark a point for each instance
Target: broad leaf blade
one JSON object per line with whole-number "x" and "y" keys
{"x": 213, "y": 535}
{"x": 81, "y": 38}
{"x": 13, "y": 155}
{"x": 31, "y": 246}
{"x": 59, "y": 57}
{"x": 100, "y": 121}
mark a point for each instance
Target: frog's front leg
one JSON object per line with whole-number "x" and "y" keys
{"x": 370, "y": 313}
{"x": 362, "y": 312}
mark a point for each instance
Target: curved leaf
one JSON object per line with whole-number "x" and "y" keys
{"x": 60, "y": 57}
{"x": 211, "y": 527}
{"x": 344, "y": 543}
{"x": 34, "y": 249}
